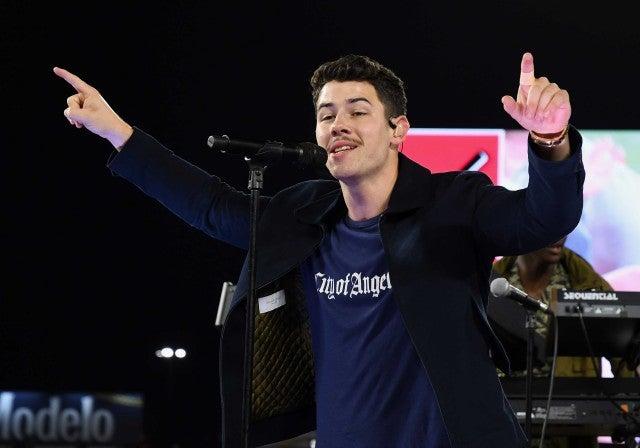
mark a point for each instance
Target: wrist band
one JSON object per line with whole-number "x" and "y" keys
{"x": 549, "y": 140}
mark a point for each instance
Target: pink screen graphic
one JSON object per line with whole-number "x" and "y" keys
{"x": 456, "y": 149}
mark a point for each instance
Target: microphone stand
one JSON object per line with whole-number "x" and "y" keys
{"x": 258, "y": 163}
{"x": 257, "y": 167}
{"x": 530, "y": 326}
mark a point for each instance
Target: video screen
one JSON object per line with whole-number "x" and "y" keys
{"x": 608, "y": 235}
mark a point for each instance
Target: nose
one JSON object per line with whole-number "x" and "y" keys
{"x": 339, "y": 125}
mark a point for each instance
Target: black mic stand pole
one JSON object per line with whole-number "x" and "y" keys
{"x": 257, "y": 168}
{"x": 531, "y": 326}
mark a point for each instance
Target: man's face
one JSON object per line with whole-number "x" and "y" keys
{"x": 352, "y": 126}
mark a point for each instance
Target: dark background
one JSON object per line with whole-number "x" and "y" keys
{"x": 96, "y": 276}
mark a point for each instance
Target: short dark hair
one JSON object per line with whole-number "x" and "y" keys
{"x": 353, "y": 67}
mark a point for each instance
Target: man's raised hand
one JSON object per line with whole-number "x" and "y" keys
{"x": 540, "y": 106}
{"x": 88, "y": 109}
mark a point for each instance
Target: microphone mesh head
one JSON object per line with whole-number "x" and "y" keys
{"x": 312, "y": 155}
{"x": 221, "y": 143}
{"x": 499, "y": 287}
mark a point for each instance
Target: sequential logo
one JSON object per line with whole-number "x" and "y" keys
{"x": 590, "y": 295}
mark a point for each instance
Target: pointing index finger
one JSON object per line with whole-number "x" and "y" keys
{"x": 526, "y": 70}
{"x": 72, "y": 79}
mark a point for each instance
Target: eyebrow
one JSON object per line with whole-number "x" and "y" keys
{"x": 350, "y": 101}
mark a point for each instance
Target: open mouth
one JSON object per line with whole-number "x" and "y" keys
{"x": 342, "y": 149}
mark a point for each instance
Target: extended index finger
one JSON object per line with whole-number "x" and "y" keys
{"x": 72, "y": 79}
{"x": 526, "y": 70}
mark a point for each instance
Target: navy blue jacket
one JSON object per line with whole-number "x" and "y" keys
{"x": 441, "y": 233}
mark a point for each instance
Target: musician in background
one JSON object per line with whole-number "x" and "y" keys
{"x": 538, "y": 273}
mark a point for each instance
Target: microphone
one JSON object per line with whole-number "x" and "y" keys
{"x": 305, "y": 154}
{"x": 500, "y": 287}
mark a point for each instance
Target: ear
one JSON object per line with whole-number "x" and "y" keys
{"x": 402, "y": 128}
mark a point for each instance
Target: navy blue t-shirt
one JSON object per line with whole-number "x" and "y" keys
{"x": 371, "y": 389}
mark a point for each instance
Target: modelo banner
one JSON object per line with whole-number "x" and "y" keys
{"x": 36, "y": 419}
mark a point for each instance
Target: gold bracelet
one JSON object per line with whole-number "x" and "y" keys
{"x": 550, "y": 140}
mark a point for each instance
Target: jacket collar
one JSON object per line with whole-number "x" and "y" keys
{"x": 413, "y": 185}
{"x": 330, "y": 206}
{"x": 409, "y": 192}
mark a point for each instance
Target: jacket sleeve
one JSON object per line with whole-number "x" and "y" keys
{"x": 524, "y": 220}
{"x": 202, "y": 200}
